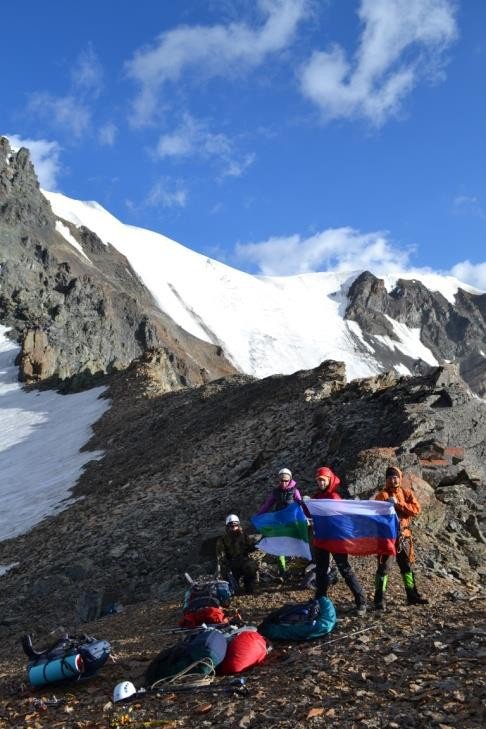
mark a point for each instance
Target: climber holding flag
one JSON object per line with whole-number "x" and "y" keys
{"x": 406, "y": 507}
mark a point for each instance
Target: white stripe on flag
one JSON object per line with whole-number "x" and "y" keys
{"x": 287, "y": 546}
{"x": 333, "y": 507}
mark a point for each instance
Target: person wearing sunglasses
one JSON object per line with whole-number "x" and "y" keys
{"x": 284, "y": 494}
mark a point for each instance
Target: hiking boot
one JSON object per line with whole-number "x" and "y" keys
{"x": 415, "y": 598}
{"x": 361, "y": 610}
{"x": 380, "y": 587}
{"x": 413, "y": 595}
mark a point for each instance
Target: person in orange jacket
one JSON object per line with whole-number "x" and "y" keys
{"x": 406, "y": 507}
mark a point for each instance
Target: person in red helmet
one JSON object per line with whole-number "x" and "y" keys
{"x": 327, "y": 488}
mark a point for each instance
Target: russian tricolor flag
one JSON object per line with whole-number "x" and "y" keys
{"x": 354, "y": 527}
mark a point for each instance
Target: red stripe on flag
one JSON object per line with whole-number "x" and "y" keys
{"x": 360, "y": 547}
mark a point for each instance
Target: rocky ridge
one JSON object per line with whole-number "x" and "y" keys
{"x": 176, "y": 463}
{"x": 171, "y": 460}
{"x": 452, "y": 333}
{"x": 78, "y": 309}
{"x": 178, "y": 458}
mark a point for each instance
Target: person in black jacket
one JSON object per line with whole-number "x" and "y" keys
{"x": 233, "y": 555}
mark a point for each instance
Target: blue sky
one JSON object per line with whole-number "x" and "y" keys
{"x": 280, "y": 136}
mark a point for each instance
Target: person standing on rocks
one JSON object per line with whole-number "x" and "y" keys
{"x": 282, "y": 496}
{"x": 232, "y": 555}
{"x": 327, "y": 488}
{"x": 406, "y": 507}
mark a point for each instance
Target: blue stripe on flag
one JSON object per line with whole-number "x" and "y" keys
{"x": 292, "y": 513}
{"x": 355, "y": 527}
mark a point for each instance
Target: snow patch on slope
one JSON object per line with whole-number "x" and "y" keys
{"x": 408, "y": 342}
{"x": 66, "y": 234}
{"x": 40, "y": 438}
{"x": 445, "y": 285}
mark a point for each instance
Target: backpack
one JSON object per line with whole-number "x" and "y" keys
{"x": 300, "y": 621}
{"x": 208, "y": 615}
{"x": 246, "y": 649}
{"x": 283, "y": 497}
{"x": 214, "y": 593}
{"x": 205, "y": 649}
{"x": 69, "y": 659}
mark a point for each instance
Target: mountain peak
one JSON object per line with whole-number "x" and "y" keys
{"x": 102, "y": 291}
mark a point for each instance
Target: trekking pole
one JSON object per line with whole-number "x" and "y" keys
{"x": 349, "y": 635}
{"x": 204, "y": 626}
{"x": 236, "y": 684}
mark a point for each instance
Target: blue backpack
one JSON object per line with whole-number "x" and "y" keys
{"x": 300, "y": 621}
{"x": 214, "y": 593}
{"x": 68, "y": 659}
{"x": 206, "y": 649}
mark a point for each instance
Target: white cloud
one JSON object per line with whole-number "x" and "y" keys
{"x": 235, "y": 168}
{"x": 107, "y": 134}
{"x": 64, "y": 112}
{"x": 402, "y": 43}
{"x": 87, "y": 74}
{"x": 473, "y": 274}
{"x": 335, "y": 249}
{"x": 211, "y": 51}
{"x": 192, "y": 138}
{"x": 161, "y": 194}
{"x": 44, "y": 156}
{"x": 72, "y": 112}
{"x": 469, "y": 204}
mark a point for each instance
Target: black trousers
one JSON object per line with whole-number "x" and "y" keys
{"x": 402, "y": 558}
{"x": 243, "y": 567}
{"x": 322, "y": 558}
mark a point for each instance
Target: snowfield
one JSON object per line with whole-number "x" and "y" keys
{"x": 265, "y": 325}
{"x": 40, "y": 441}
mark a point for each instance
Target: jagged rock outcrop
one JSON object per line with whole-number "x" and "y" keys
{"x": 177, "y": 463}
{"x": 452, "y": 333}
{"x": 79, "y": 310}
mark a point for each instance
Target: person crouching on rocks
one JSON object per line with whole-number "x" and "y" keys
{"x": 232, "y": 555}
{"x": 406, "y": 507}
{"x": 327, "y": 484}
{"x": 282, "y": 496}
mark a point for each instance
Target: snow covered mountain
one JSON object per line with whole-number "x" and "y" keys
{"x": 265, "y": 325}
{"x": 262, "y": 325}
{"x": 269, "y": 325}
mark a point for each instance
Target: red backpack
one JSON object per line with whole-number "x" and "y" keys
{"x": 245, "y": 650}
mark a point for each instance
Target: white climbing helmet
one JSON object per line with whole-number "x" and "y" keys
{"x": 123, "y": 690}
{"x": 232, "y": 519}
{"x": 285, "y": 472}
